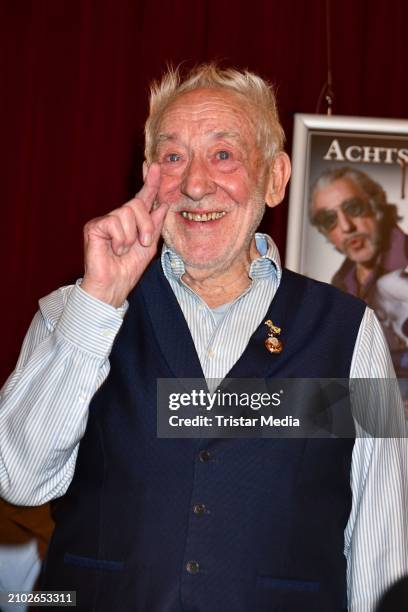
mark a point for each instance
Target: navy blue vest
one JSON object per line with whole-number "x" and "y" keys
{"x": 244, "y": 525}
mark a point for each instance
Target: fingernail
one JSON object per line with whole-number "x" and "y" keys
{"x": 122, "y": 250}
{"x": 146, "y": 239}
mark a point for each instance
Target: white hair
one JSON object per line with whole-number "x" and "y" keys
{"x": 258, "y": 93}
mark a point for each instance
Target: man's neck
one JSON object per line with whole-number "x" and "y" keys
{"x": 220, "y": 286}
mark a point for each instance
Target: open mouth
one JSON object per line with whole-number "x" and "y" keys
{"x": 209, "y": 216}
{"x": 357, "y": 242}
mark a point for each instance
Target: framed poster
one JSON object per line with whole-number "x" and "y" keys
{"x": 348, "y": 214}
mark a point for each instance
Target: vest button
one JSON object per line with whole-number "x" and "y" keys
{"x": 199, "y": 508}
{"x": 204, "y": 456}
{"x": 192, "y": 567}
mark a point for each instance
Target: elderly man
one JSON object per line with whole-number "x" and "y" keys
{"x": 351, "y": 210}
{"x": 164, "y": 525}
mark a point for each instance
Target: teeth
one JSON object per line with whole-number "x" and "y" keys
{"x": 211, "y": 216}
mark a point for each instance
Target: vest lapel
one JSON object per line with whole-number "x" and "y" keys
{"x": 257, "y": 361}
{"x": 169, "y": 325}
{"x": 175, "y": 341}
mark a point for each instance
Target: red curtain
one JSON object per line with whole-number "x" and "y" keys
{"x": 74, "y": 83}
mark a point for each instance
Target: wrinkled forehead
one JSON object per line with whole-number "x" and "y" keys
{"x": 333, "y": 194}
{"x": 206, "y": 111}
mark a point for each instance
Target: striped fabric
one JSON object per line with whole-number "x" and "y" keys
{"x": 221, "y": 340}
{"x": 65, "y": 358}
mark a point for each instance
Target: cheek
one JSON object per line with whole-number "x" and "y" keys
{"x": 239, "y": 191}
{"x": 238, "y": 188}
{"x": 169, "y": 189}
{"x": 335, "y": 237}
{"x": 367, "y": 226}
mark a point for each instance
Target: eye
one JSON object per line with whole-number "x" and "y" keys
{"x": 356, "y": 207}
{"x": 223, "y": 155}
{"x": 173, "y": 157}
{"x": 325, "y": 219}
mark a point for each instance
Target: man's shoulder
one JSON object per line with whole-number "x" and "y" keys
{"x": 396, "y": 251}
{"x": 344, "y": 274}
{"x": 317, "y": 289}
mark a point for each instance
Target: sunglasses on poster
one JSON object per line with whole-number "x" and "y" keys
{"x": 326, "y": 218}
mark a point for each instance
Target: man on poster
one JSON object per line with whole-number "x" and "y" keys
{"x": 351, "y": 210}
{"x": 211, "y": 525}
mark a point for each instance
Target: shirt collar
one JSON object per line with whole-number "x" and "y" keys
{"x": 265, "y": 265}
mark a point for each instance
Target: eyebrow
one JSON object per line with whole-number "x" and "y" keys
{"x": 163, "y": 137}
{"x": 217, "y": 134}
{"x": 225, "y": 134}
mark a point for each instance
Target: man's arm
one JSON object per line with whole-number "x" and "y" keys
{"x": 44, "y": 407}
{"x": 376, "y": 544}
{"x": 44, "y": 403}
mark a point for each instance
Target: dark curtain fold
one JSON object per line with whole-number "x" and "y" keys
{"x": 74, "y": 81}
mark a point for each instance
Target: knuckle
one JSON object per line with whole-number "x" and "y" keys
{"x": 112, "y": 220}
{"x": 127, "y": 212}
{"x": 91, "y": 224}
{"x": 137, "y": 206}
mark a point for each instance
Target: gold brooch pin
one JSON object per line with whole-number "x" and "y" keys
{"x": 272, "y": 343}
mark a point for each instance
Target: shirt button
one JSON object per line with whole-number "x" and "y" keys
{"x": 204, "y": 456}
{"x": 199, "y": 508}
{"x": 192, "y": 567}
{"x": 211, "y": 353}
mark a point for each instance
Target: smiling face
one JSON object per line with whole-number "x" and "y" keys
{"x": 213, "y": 176}
{"x": 355, "y": 235}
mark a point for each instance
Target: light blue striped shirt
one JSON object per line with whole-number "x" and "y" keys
{"x": 65, "y": 358}
{"x": 221, "y": 335}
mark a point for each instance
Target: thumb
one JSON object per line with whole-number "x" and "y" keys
{"x": 158, "y": 216}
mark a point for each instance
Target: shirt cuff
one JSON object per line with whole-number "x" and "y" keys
{"x": 89, "y": 324}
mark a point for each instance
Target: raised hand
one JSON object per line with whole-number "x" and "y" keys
{"x": 119, "y": 246}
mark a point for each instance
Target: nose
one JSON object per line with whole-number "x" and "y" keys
{"x": 196, "y": 182}
{"x": 344, "y": 222}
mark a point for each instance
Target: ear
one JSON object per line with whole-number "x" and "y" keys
{"x": 278, "y": 179}
{"x": 145, "y": 170}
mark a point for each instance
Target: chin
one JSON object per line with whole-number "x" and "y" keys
{"x": 204, "y": 254}
{"x": 207, "y": 262}
{"x": 198, "y": 254}
{"x": 366, "y": 257}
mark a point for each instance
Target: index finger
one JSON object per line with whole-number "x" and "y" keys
{"x": 150, "y": 188}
